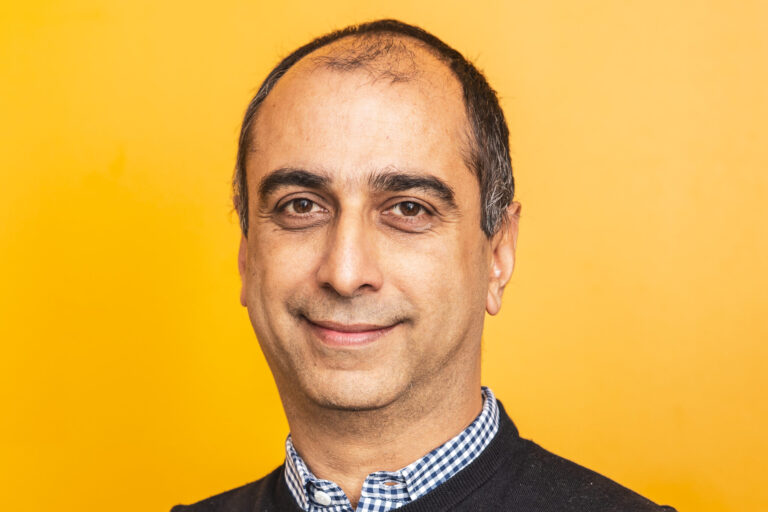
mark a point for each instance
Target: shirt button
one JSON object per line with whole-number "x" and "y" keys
{"x": 322, "y": 498}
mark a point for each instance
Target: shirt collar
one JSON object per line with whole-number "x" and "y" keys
{"x": 396, "y": 487}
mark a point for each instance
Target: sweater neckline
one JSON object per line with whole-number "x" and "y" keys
{"x": 461, "y": 485}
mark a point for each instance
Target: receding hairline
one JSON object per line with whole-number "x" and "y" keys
{"x": 334, "y": 57}
{"x": 386, "y": 56}
{"x": 356, "y": 51}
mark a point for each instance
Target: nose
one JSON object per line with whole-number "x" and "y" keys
{"x": 350, "y": 263}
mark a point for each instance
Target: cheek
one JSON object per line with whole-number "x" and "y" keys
{"x": 444, "y": 278}
{"x": 277, "y": 266}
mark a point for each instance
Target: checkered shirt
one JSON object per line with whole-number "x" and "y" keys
{"x": 387, "y": 490}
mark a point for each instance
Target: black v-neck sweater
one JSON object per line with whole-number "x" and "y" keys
{"x": 511, "y": 474}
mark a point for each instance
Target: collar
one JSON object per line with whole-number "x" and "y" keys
{"x": 387, "y": 490}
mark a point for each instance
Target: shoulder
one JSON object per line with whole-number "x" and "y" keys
{"x": 259, "y": 495}
{"x": 560, "y": 484}
{"x": 537, "y": 479}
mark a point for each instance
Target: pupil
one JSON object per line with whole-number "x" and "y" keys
{"x": 302, "y": 205}
{"x": 409, "y": 208}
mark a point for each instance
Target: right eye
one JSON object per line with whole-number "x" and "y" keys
{"x": 300, "y": 212}
{"x": 300, "y": 206}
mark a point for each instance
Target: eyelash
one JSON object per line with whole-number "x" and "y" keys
{"x": 401, "y": 218}
{"x": 282, "y": 208}
{"x": 421, "y": 207}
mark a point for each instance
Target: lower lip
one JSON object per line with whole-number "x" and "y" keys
{"x": 335, "y": 338}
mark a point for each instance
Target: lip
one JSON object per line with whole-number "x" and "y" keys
{"x": 347, "y": 335}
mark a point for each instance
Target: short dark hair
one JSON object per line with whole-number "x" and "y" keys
{"x": 488, "y": 156}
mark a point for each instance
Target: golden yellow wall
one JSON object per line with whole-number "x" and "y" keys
{"x": 633, "y": 336}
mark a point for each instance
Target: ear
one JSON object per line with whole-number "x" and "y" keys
{"x": 503, "y": 245}
{"x": 242, "y": 257}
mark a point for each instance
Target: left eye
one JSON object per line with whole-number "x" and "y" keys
{"x": 408, "y": 208}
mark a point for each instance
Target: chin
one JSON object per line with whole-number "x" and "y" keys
{"x": 356, "y": 394}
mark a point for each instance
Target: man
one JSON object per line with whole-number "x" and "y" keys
{"x": 374, "y": 188}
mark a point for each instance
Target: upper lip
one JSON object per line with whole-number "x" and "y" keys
{"x": 335, "y": 326}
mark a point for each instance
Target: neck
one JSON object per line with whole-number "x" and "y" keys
{"x": 345, "y": 446}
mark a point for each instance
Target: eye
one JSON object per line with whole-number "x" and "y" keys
{"x": 409, "y": 216}
{"x": 300, "y": 212}
{"x": 300, "y": 206}
{"x": 408, "y": 209}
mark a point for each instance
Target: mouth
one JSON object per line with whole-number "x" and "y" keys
{"x": 347, "y": 335}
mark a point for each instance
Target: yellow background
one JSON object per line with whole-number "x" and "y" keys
{"x": 633, "y": 334}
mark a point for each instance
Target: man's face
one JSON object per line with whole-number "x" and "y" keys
{"x": 365, "y": 271}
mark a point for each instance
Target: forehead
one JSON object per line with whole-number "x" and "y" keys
{"x": 343, "y": 114}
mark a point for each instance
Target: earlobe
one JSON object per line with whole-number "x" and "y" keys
{"x": 503, "y": 248}
{"x": 495, "y": 291}
{"x": 492, "y": 304}
{"x": 242, "y": 257}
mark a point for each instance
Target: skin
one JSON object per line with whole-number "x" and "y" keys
{"x": 368, "y": 302}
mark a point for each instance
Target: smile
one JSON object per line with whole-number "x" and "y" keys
{"x": 347, "y": 335}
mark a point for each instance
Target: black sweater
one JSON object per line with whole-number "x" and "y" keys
{"x": 511, "y": 474}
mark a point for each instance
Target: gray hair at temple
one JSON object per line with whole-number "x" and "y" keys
{"x": 487, "y": 155}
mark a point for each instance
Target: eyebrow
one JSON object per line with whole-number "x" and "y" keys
{"x": 394, "y": 180}
{"x": 389, "y": 179}
{"x": 286, "y": 177}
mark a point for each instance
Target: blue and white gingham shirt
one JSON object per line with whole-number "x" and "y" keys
{"x": 379, "y": 494}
